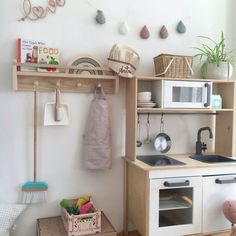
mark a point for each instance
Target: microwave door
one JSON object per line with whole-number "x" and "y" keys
{"x": 182, "y": 94}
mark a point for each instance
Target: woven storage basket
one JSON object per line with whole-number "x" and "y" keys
{"x": 174, "y": 66}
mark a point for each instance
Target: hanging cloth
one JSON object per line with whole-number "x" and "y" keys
{"x": 97, "y": 137}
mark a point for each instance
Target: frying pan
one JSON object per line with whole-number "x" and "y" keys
{"x": 162, "y": 142}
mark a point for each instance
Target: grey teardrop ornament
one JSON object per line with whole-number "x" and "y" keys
{"x": 124, "y": 28}
{"x": 100, "y": 18}
{"x": 144, "y": 33}
{"x": 181, "y": 28}
{"x": 164, "y": 32}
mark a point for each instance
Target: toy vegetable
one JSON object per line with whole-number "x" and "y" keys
{"x": 82, "y": 200}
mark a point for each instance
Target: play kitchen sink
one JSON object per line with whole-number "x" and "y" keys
{"x": 201, "y": 146}
{"x": 212, "y": 158}
{"x": 159, "y": 160}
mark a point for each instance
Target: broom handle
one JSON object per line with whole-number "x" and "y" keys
{"x": 35, "y": 131}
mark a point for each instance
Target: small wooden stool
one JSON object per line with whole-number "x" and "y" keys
{"x": 53, "y": 226}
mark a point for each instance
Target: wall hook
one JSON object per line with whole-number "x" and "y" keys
{"x": 58, "y": 84}
{"x": 36, "y": 84}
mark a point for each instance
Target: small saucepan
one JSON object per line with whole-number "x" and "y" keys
{"x": 162, "y": 142}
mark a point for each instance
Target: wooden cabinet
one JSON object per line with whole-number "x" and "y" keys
{"x": 216, "y": 189}
{"x": 175, "y": 206}
{"x": 200, "y": 213}
{"x": 224, "y": 122}
{"x": 137, "y": 181}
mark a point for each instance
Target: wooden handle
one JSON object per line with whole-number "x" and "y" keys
{"x": 58, "y": 108}
{"x": 35, "y": 132}
{"x": 58, "y": 98}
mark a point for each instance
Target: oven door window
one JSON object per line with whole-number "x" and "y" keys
{"x": 175, "y": 206}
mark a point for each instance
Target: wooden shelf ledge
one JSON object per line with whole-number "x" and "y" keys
{"x": 168, "y": 110}
{"x": 68, "y": 82}
{"x": 152, "y": 78}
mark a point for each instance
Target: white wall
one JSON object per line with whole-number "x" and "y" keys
{"x": 72, "y": 29}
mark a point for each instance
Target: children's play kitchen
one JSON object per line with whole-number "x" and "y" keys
{"x": 164, "y": 194}
{"x": 180, "y": 194}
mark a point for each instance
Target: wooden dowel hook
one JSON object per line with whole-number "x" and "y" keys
{"x": 58, "y": 84}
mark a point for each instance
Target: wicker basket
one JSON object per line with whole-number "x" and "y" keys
{"x": 174, "y": 66}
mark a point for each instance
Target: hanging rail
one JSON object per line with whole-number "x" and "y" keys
{"x": 179, "y": 113}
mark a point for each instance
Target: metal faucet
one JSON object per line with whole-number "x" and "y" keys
{"x": 201, "y": 146}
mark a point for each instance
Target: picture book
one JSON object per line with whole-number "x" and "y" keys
{"x": 27, "y": 52}
{"x": 48, "y": 56}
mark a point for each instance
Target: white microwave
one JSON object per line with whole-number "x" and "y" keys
{"x": 183, "y": 94}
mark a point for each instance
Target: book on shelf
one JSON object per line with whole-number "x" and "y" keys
{"x": 27, "y": 52}
{"x": 48, "y": 56}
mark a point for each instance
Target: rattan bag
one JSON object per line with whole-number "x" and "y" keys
{"x": 175, "y": 66}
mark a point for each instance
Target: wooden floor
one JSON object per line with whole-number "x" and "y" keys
{"x": 135, "y": 233}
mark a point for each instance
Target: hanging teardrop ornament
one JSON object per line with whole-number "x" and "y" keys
{"x": 144, "y": 33}
{"x": 181, "y": 28}
{"x": 100, "y": 18}
{"x": 164, "y": 32}
{"x": 124, "y": 28}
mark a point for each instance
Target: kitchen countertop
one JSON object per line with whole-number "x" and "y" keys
{"x": 189, "y": 163}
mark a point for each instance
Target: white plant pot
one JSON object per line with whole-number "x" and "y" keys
{"x": 224, "y": 71}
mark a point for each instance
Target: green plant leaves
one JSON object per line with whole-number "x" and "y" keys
{"x": 215, "y": 54}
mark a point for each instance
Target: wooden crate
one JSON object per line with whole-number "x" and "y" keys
{"x": 53, "y": 226}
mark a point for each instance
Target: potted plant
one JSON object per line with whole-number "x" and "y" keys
{"x": 217, "y": 63}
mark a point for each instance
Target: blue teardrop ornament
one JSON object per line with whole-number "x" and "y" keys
{"x": 181, "y": 28}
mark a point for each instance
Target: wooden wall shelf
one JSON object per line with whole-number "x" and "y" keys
{"x": 150, "y": 78}
{"x": 180, "y": 111}
{"x": 68, "y": 82}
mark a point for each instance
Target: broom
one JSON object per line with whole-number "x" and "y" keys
{"x": 34, "y": 191}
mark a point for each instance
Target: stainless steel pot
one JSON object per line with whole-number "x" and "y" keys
{"x": 162, "y": 142}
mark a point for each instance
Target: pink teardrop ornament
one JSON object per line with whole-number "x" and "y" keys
{"x": 144, "y": 33}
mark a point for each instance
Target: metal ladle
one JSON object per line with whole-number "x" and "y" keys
{"x": 138, "y": 142}
{"x": 148, "y": 140}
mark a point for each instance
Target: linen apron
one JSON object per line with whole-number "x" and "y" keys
{"x": 97, "y": 137}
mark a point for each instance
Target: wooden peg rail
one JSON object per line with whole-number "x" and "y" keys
{"x": 68, "y": 82}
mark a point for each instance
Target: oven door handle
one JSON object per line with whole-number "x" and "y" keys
{"x": 208, "y": 102}
{"x": 177, "y": 184}
{"x": 225, "y": 181}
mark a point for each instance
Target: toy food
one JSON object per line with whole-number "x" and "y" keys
{"x": 86, "y": 208}
{"x": 82, "y": 200}
{"x": 70, "y": 208}
{"x": 65, "y": 203}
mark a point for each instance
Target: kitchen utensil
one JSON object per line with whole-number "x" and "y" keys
{"x": 148, "y": 140}
{"x": 144, "y": 96}
{"x": 162, "y": 142}
{"x": 138, "y": 142}
{"x": 146, "y": 104}
{"x": 58, "y": 106}
{"x": 34, "y": 191}
{"x": 56, "y": 113}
